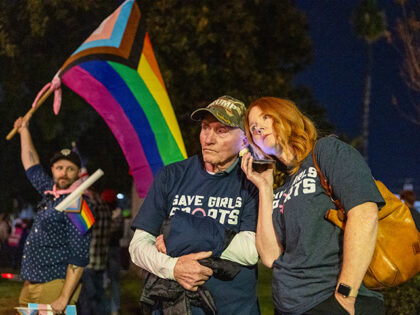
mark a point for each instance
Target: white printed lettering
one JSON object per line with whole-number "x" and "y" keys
{"x": 190, "y": 199}
{"x": 212, "y": 202}
{"x": 297, "y": 188}
{"x": 224, "y": 202}
{"x": 199, "y": 200}
{"x": 212, "y": 213}
{"x": 223, "y": 214}
{"x": 175, "y": 201}
{"x": 173, "y": 211}
{"x": 308, "y": 185}
{"x": 182, "y": 201}
{"x": 233, "y": 217}
{"x": 238, "y": 202}
{"x": 312, "y": 172}
{"x": 186, "y": 209}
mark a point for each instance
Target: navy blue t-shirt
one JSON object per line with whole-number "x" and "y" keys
{"x": 306, "y": 272}
{"x": 228, "y": 198}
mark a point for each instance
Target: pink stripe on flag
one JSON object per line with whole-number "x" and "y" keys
{"x": 104, "y": 31}
{"x": 81, "y": 82}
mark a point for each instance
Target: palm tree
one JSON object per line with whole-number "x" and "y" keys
{"x": 370, "y": 24}
{"x": 406, "y": 39}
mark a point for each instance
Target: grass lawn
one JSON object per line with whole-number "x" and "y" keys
{"x": 130, "y": 292}
{"x": 402, "y": 300}
{"x": 264, "y": 290}
{"x": 9, "y": 294}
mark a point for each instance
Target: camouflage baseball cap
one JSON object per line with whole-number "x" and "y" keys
{"x": 226, "y": 109}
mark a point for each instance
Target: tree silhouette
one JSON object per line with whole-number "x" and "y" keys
{"x": 406, "y": 39}
{"x": 205, "y": 49}
{"x": 369, "y": 24}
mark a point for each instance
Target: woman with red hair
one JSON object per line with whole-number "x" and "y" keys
{"x": 317, "y": 268}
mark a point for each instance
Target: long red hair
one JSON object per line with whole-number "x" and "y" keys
{"x": 292, "y": 128}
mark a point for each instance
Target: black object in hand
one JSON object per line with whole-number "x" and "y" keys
{"x": 261, "y": 165}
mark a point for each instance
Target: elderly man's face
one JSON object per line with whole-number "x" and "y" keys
{"x": 64, "y": 173}
{"x": 220, "y": 144}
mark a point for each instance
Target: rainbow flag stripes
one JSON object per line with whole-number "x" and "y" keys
{"x": 116, "y": 72}
{"x": 26, "y": 311}
{"x": 81, "y": 215}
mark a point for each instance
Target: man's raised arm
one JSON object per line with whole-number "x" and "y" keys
{"x": 29, "y": 155}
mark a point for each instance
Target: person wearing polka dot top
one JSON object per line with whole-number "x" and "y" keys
{"x": 55, "y": 252}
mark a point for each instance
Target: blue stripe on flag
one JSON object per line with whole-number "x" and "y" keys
{"x": 117, "y": 32}
{"x": 116, "y": 85}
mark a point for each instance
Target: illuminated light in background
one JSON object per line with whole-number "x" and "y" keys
{"x": 7, "y": 275}
{"x": 120, "y": 196}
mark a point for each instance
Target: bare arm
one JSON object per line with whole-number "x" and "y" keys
{"x": 359, "y": 244}
{"x": 268, "y": 246}
{"x": 74, "y": 273}
{"x": 267, "y": 243}
{"x": 29, "y": 155}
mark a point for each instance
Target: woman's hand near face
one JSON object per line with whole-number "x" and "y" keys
{"x": 268, "y": 246}
{"x": 261, "y": 180}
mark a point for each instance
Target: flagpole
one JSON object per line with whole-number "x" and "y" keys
{"x": 31, "y": 111}
{"x": 78, "y": 191}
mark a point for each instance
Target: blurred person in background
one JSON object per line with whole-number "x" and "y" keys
{"x": 5, "y": 229}
{"x": 16, "y": 241}
{"x": 92, "y": 298}
{"x": 114, "y": 257}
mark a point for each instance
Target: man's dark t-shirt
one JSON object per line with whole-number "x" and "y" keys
{"x": 229, "y": 198}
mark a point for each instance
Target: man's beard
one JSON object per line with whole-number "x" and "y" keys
{"x": 65, "y": 185}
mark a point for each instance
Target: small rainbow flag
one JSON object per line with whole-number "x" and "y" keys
{"x": 80, "y": 214}
{"x": 116, "y": 72}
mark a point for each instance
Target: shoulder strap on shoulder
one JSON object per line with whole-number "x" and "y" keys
{"x": 327, "y": 187}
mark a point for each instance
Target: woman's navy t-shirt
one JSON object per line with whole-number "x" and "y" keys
{"x": 306, "y": 272}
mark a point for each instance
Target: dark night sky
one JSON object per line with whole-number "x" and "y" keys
{"x": 336, "y": 78}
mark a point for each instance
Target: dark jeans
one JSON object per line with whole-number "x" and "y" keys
{"x": 92, "y": 299}
{"x": 113, "y": 272}
{"x": 364, "y": 306}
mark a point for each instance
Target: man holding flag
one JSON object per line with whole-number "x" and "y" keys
{"x": 56, "y": 249}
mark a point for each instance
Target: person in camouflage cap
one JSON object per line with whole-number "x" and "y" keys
{"x": 211, "y": 186}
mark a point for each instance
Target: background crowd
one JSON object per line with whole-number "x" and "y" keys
{"x": 108, "y": 254}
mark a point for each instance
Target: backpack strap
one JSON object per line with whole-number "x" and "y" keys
{"x": 328, "y": 189}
